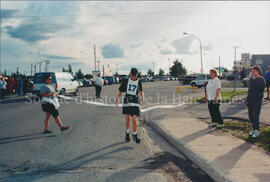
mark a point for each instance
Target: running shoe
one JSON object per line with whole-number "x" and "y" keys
{"x": 220, "y": 125}
{"x": 47, "y": 131}
{"x": 251, "y": 133}
{"x": 135, "y": 138}
{"x": 64, "y": 128}
{"x": 212, "y": 125}
{"x": 255, "y": 134}
{"x": 127, "y": 137}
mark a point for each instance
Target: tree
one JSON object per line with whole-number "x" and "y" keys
{"x": 116, "y": 74}
{"x": 69, "y": 69}
{"x": 177, "y": 69}
{"x": 161, "y": 72}
{"x": 79, "y": 74}
{"x": 64, "y": 70}
{"x": 150, "y": 72}
{"x": 88, "y": 76}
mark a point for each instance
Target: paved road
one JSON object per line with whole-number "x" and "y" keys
{"x": 92, "y": 150}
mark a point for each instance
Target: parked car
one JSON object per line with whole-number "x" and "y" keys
{"x": 186, "y": 79}
{"x": 246, "y": 80}
{"x": 201, "y": 80}
{"x": 63, "y": 83}
{"x": 109, "y": 79}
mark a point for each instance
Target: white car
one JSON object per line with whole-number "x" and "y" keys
{"x": 63, "y": 83}
{"x": 201, "y": 80}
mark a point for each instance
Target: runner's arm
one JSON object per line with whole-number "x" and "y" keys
{"x": 142, "y": 95}
{"x": 118, "y": 97}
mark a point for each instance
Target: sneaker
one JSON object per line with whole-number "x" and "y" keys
{"x": 127, "y": 137}
{"x": 255, "y": 134}
{"x": 214, "y": 124}
{"x": 220, "y": 125}
{"x": 251, "y": 133}
{"x": 64, "y": 128}
{"x": 47, "y": 131}
{"x": 135, "y": 138}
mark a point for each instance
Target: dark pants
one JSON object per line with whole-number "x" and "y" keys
{"x": 3, "y": 94}
{"x": 215, "y": 112}
{"x": 254, "y": 110}
{"x": 98, "y": 90}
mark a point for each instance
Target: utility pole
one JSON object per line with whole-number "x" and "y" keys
{"x": 35, "y": 69}
{"x": 95, "y": 59}
{"x": 98, "y": 64}
{"x": 116, "y": 67}
{"x": 219, "y": 65}
{"x": 154, "y": 68}
{"x": 17, "y": 71}
{"x": 31, "y": 69}
{"x": 39, "y": 64}
{"x": 169, "y": 65}
{"x": 103, "y": 71}
{"x": 235, "y": 70}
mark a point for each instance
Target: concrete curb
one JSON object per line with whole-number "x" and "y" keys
{"x": 205, "y": 165}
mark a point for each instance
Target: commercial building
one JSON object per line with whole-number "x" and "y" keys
{"x": 262, "y": 60}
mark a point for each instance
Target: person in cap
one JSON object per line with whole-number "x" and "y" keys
{"x": 132, "y": 100}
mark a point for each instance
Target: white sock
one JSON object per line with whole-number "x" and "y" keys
{"x": 128, "y": 131}
{"x": 135, "y": 133}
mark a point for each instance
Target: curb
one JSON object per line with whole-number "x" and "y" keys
{"x": 197, "y": 159}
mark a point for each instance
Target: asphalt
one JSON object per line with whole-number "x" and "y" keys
{"x": 93, "y": 149}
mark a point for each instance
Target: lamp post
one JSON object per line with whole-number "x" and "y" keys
{"x": 193, "y": 35}
{"x": 235, "y": 69}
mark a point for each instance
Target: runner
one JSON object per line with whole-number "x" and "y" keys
{"x": 131, "y": 107}
{"x": 50, "y": 104}
{"x": 98, "y": 82}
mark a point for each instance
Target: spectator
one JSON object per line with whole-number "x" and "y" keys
{"x": 267, "y": 78}
{"x": 98, "y": 82}
{"x": 213, "y": 98}
{"x": 3, "y": 86}
{"x": 25, "y": 86}
{"x": 10, "y": 83}
{"x": 254, "y": 99}
{"x": 50, "y": 104}
{"x": 19, "y": 86}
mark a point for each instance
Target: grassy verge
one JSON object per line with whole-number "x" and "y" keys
{"x": 226, "y": 96}
{"x": 242, "y": 129}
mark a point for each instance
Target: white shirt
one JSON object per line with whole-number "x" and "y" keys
{"x": 211, "y": 88}
{"x": 3, "y": 84}
{"x": 98, "y": 81}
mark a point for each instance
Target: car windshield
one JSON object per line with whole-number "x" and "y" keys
{"x": 39, "y": 78}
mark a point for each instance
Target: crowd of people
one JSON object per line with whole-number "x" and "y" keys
{"x": 17, "y": 85}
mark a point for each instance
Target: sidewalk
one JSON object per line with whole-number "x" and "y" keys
{"x": 223, "y": 157}
{"x": 236, "y": 110}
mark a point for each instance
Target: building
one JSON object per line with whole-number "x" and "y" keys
{"x": 262, "y": 60}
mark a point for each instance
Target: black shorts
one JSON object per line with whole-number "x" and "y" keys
{"x": 267, "y": 83}
{"x": 131, "y": 110}
{"x": 50, "y": 108}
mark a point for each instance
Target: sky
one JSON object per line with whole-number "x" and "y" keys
{"x": 130, "y": 34}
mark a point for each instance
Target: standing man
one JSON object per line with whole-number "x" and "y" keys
{"x": 131, "y": 107}
{"x": 254, "y": 99}
{"x": 3, "y": 86}
{"x": 98, "y": 82}
{"x": 267, "y": 79}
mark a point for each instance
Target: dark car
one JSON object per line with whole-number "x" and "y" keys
{"x": 109, "y": 79}
{"x": 186, "y": 79}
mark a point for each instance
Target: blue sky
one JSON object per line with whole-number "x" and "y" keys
{"x": 130, "y": 33}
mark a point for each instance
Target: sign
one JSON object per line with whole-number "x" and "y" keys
{"x": 245, "y": 56}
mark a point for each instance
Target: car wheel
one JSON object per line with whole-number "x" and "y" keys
{"x": 76, "y": 91}
{"x": 63, "y": 91}
{"x": 193, "y": 84}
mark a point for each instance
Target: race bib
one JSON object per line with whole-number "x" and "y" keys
{"x": 132, "y": 87}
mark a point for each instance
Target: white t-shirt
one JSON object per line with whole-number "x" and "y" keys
{"x": 98, "y": 81}
{"x": 211, "y": 88}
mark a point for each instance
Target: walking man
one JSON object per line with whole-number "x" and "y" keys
{"x": 267, "y": 79}
{"x": 98, "y": 82}
{"x": 131, "y": 107}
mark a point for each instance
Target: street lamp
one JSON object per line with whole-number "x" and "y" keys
{"x": 193, "y": 35}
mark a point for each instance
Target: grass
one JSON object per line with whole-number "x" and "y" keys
{"x": 226, "y": 96}
{"x": 242, "y": 129}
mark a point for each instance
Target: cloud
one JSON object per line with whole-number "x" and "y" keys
{"x": 34, "y": 30}
{"x": 165, "y": 51}
{"x": 183, "y": 45}
{"x": 8, "y": 13}
{"x": 207, "y": 47}
{"x": 112, "y": 51}
{"x": 58, "y": 57}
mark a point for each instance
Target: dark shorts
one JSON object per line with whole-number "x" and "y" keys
{"x": 50, "y": 108}
{"x": 267, "y": 83}
{"x": 131, "y": 110}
